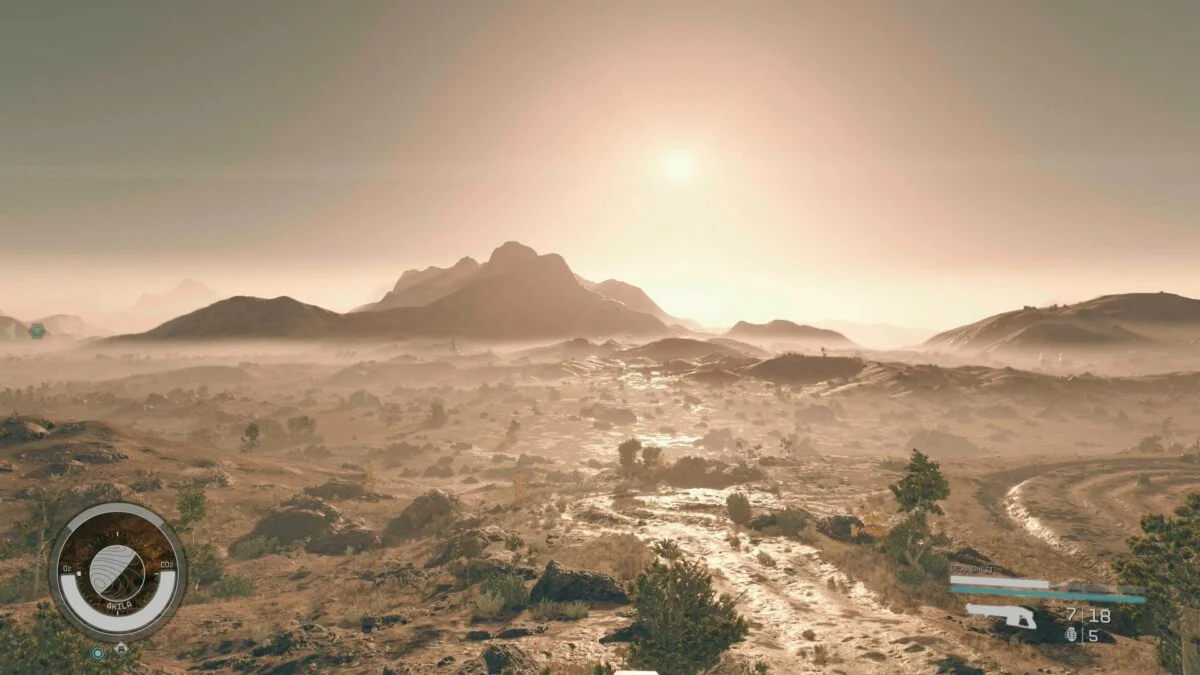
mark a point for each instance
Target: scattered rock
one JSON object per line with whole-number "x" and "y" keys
{"x": 337, "y": 489}
{"x": 478, "y": 635}
{"x": 371, "y": 624}
{"x": 630, "y": 633}
{"x": 612, "y": 416}
{"x": 515, "y": 632}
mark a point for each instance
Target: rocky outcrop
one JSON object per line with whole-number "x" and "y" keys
{"x": 414, "y": 520}
{"x": 558, "y": 584}
{"x": 337, "y": 489}
{"x": 468, "y": 543}
{"x": 321, "y": 527}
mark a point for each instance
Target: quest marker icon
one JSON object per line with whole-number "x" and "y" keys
{"x": 37, "y": 331}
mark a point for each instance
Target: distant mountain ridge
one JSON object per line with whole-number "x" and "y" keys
{"x": 1129, "y": 319}
{"x": 185, "y": 297}
{"x": 788, "y": 331}
{"x": 517, "y": 294}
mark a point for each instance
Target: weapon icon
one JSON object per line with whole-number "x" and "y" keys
{"x": 1072, "y": 635}
{"x": 1017, "y": 617}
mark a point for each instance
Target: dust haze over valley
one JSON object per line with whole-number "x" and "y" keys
{"x": 473, "y": 332}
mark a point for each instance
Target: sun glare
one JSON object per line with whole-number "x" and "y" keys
{"x": 678, "y": 168}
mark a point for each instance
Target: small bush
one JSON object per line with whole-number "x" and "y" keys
{"x": 144, "y": 481}
{"x": 910, "y": 575}
{"x": 936, "y": 565}
{"x": 227, "y": 588}
{"x": 667, "y": 549}
{"x": 508, "y": 587}
{"x": 204, "y": 564}
{"x": 560, "y": 611}
{"x": 738, "y": 507}
{"x": 765, "y": 559}
{"x": 790, "y": 522}
{"x": 254, "y": 547}
{"x": 487, "y": 605}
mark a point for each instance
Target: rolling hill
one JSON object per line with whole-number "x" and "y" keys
{"x": 787, "y": 331}
{"x": 1128, "y": 320}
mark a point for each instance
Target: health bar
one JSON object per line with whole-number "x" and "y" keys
{"x": 1002, "y": 582}
{"x": 1030, "y": 593}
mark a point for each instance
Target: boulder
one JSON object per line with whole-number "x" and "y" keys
{"x": 503, "y": 658}
{"x": 342, "y": 537}
{"x": 472, "y": 541}
{"x": 299, "y": 518}
{"x": 558, "y": 584}
{"x": 434, "y": 505}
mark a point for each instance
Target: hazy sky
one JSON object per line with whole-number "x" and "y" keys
{"x": 920, "y": 163}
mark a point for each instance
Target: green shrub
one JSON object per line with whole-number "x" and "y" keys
{"x": 738, "y": 507}
{"x": 790, "y": 522}
{"x": 204, "y": 564}
{"x": 910, "y": 575}
{"x": 48, "y": 644}
{"x": 227, "y": 588}
{"x": 936, "y": 565}
{"x": 687, "y": 627}
{"x": 508, "y": 587}
{"x": 19, "y": 587}
{"x": 487, "y": 605}
{"x": 560, "y": 611}
{"x": 254, "y": 547}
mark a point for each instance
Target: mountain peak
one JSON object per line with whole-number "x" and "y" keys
{"x": 510, "y": 253}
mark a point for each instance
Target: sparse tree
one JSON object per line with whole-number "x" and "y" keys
{"x": 922, "y": 487}
{"x": 918, "y": 494}
{"x": 251, "y": 438}
{"x": 1165, "y": 561}
{"x": 687, "y": 626}
{"x": 628, "y": 452}
{"x": 193, "y": 506}
{"x": 510, "y": 434}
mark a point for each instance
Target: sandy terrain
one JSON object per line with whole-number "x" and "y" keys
{"x": 1046, "y": 481}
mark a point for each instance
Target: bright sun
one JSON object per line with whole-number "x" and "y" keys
{"x": 678, "y": 168}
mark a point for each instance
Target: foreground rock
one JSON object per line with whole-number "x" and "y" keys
{"x": 559, "y": 584}
{"x": 501, "y": 659}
